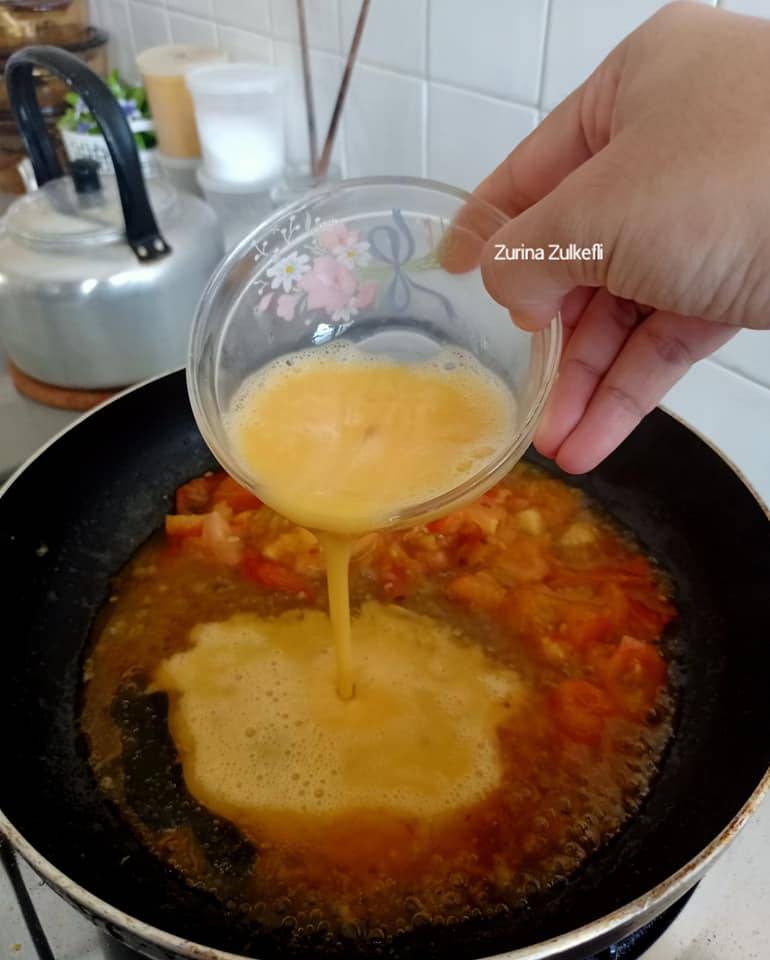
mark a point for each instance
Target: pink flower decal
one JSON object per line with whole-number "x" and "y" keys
{"x": 365, "y": 295}
{"x": 336, "y": 235}
{"x": 287, "y": 303}
{"x": 329, "y": 285}
{"x": 320, "y": 274}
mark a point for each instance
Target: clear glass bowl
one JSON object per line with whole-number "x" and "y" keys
{"x": 381, "y": 262}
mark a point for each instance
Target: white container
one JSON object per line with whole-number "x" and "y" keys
{"x": 181, "y": 171}
{"x": 239, "y": 113}
{"x": 239, "y": 207}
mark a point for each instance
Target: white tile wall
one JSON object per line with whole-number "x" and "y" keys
{"x": 395, "y": 36}
{"x": 150, "y": 27}
{"x": 321, "y": 17}
{"x": 326, "y": 69}
{"x": 184, "y": 29}
{"x": 443, "y": 88}
{"x": 457, "y": 118}
{"x": 493, "y": 46}
{"x": 380, "y": 103}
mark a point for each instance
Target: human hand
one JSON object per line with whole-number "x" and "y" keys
{"x": 661, "y": 156}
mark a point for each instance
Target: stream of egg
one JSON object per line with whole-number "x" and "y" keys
{"x": 342, "y": 441}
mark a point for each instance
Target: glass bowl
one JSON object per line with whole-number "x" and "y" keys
{"x": 389, "y": 264}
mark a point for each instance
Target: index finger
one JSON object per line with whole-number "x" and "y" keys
{"x": 531, "y": 171}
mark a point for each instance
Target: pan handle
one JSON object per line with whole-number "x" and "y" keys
{"x": 142, "y": 231}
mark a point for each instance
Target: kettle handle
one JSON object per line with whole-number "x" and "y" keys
{"x": 142, "y": 231}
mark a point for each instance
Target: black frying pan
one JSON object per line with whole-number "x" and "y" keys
{"x": 78, "y": 511}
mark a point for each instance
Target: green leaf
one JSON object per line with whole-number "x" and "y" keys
{"x": 139, "y": 96}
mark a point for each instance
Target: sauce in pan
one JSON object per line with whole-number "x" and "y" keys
{"x": 511, "y": 706}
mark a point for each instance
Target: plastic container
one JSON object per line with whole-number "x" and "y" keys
{"x": 182, "y": 172}
{"x": 298, "y": 182}
{"x": 163, "y": 71}
{"x": 240, "y": 208}
{"x": 239, "y": 112}
{"x": 409, "y": 270}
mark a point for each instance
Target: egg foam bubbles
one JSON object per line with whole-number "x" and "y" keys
{"x": 261, "y": 731}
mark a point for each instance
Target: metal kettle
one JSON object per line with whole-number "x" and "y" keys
{"x": 92, "y": 293}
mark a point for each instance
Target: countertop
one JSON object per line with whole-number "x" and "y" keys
{"x": 728, "y": 917}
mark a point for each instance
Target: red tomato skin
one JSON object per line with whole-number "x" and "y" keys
{"x": 580, "y": 710}
{"x": 195, "y": 496}
{"x": 633, "y": 677}
{"x": 238, "y": 498}
{"x": 274, "y": 576}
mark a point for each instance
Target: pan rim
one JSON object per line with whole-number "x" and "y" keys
{"x": 661, "y": 895}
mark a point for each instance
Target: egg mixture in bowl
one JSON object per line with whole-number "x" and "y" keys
{"x": 512, "y": 704}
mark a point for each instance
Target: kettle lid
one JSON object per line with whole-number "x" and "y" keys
{"x": 83, "y": 209}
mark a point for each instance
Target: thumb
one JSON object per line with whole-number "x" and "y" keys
{"x": 563, "y": 241}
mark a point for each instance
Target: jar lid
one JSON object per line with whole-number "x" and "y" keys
{"x": 175, "y": 59}
{"x": 57, "y": 214}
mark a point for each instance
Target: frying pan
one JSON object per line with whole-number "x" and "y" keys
{"x": 75, "y": 513}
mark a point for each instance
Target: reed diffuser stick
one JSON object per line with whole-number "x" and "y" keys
{"x": 323, "y": 163}
{"x": 308, "y": 84}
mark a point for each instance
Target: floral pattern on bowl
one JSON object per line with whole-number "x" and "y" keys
{"x": 339, "y": 273}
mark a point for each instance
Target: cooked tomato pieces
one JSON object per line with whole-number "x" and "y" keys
{"x": 633, "y": 677}
{"x": 580, "y": 709}
{"x": 195, "y": 496}
{"x": 238, "y": 498}
{"x": 569, "y": 591}
{"x": 274, "y": 576}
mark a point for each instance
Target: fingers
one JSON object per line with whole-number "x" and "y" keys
{"x": 658, "y": 352}
{"x": 599, "y": 336}
{"x": 537, "y": 165}
{"x": 572, "y": 308}
{"x": 563, "y": 241}
{"x": 540, "y": 162}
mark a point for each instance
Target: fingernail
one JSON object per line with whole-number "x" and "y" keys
{"x": 526, "y": 321}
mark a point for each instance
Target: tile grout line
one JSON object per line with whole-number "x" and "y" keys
{"x": 213, "y": 19}
{"x": 426, "y": 92}
{"x": 131, "y": 34}
{"x": 342, "y": 141}
{"x": 544, "y": 54}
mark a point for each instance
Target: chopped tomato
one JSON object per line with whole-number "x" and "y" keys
{"x": 184, "y": 525}
{"x": 219, "y": 541}
{"x": 496, "y": 497}
{"x": 195, "y": 496}
{"x": 532, "y": 609}
{"x": 580, "y": 709}
{"x": 480, "y": 516}
{"x": 394, "y": 582}
{"x": 238, "y": 498}
{"x": 275, "y": 576}
{"x": 443, "y": 525}
{"x": 524, "y": 562}
{"x": 477, "y": 590}
{"x": 585, "y": 631}
{"x": 633, "y": 677}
